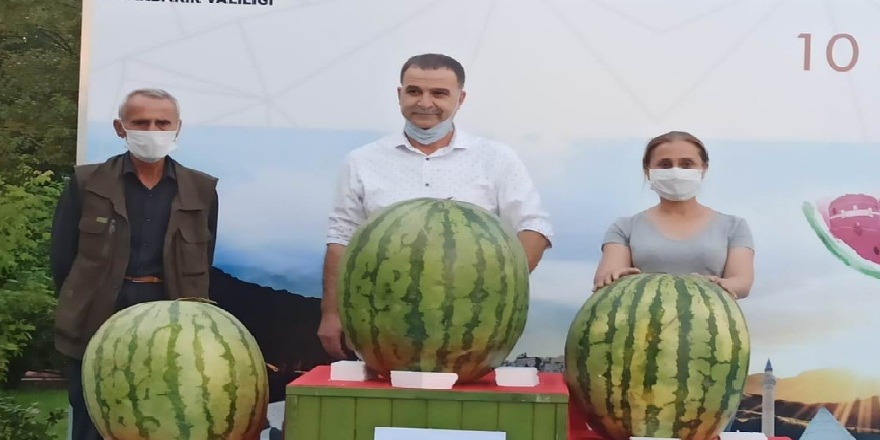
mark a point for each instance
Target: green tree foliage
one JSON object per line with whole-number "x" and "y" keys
{"x": 26, "y": 291}
{"x": 39, "y": 85}
{"x": 39, "y": 91}
{"x": 21, "y": 422}
{"x": 26, "y": 212}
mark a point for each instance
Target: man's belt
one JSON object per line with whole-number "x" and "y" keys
{"x": 146, "y": 279}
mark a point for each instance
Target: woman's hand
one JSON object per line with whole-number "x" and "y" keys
{"x": 613, "y": 275}
{"x": 721, "y": 282}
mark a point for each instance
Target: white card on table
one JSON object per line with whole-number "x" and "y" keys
{"x": 435, "y": 434}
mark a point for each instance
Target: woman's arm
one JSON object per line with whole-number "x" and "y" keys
{"x": 616, "y": 262}
{"x": 739, "y": 272}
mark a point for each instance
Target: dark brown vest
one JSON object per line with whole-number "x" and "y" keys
{"x": 88, "y": 296}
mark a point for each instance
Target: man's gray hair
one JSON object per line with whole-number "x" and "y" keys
{"x": 152, "y": 93}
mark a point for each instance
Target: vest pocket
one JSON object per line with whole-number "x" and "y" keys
{"x": 96, "y": 237}
{"x": 76, "y": 298}
{"x": 193, "y": 251}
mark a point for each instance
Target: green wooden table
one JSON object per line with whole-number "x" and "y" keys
{"x": 320, "y": 409}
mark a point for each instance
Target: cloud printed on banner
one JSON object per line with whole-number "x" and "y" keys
{"x": 558, "y": 289}
{"x": 291, "y": 201}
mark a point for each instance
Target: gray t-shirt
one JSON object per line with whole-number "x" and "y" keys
{"x": 705, "y": 253}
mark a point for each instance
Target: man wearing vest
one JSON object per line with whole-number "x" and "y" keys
{"x": 139, "y": 227}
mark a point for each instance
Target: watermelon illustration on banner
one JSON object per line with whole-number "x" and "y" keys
{"x": 658, "y": 355}
{"x": 181, "y": 369}
{"x": 434, "y": 285}
{"x": 849, "y": 227}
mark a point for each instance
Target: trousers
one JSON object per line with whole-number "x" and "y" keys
{"x": 82, "y": 427}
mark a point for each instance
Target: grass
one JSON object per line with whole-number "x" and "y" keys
{"x": 46, "y": 400}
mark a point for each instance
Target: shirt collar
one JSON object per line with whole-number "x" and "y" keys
{"x": 128, "y": 167}
{"x": 457, "y": 142}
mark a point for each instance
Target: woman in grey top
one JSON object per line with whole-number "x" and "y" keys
{"x": 679, "y": 235}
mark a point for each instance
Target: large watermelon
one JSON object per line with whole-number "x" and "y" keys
{"x": 434, "y": 286}
{"x": 658, "y": 355}
{"x": 175, "y": 370}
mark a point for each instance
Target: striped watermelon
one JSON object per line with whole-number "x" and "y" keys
{"x": 434, "y": 286}
{"x": 175, "y": 370}
{"x": 658, "y": 355}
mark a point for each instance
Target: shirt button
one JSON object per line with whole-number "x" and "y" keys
{"x": 427, "y": 158}
{"x": 148, "y": 220}
{"x": 427, "y": 184}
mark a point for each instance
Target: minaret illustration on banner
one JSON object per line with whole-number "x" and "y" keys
{"x": 768, "y": 402}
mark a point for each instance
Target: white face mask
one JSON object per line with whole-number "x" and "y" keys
{"x": 427, "y": 136}
{"x": 150, "y": 146}
{"x": 676, "y": 184}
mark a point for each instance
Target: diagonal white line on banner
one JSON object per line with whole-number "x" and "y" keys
{"x": 261, "y": 79}
{"x": 853, "y": 90}
{"x": 725, "y": 55}
{"x": 585, "y": 43}
{"x": 172, "y": 85}
{"x": 482, "y": 36}
{"x": 249, "y": 49}
{"x": 219, "y": 87}
{"x": 345, "y": 55}
{"x": 176, "y": 13}
{"x": 274, "y": 105}
{"x": 233, "y": 112}
{"x": 114, "y": 108}
{"x": 163, "y": 44}
{"x": 674, "y": 26}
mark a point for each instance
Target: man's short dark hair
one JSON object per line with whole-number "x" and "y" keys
{"x": 435, "y": 61}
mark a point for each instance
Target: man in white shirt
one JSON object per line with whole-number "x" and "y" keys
{"x": 428, "y": 158}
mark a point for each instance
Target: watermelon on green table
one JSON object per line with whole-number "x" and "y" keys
{"x": 434, "y": 285}
{"x": 175, "y": 370}
{"x": 657, "y": 355}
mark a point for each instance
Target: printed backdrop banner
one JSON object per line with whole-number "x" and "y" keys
{"x": 785, "y": 95}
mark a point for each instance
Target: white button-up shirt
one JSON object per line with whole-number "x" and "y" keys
{"x": 471, "y": 169}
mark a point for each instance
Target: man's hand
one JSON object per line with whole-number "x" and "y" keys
{"x": 330, "y": 330}
{"x": 613, "y": 275}
{"x": 330, "y": 333}
{"x": 534, "y": 244}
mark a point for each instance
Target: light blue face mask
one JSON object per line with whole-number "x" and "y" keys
{"x": 427, "y": 136}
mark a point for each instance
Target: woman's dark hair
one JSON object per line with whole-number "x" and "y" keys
{"x": 670, "y": 137}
